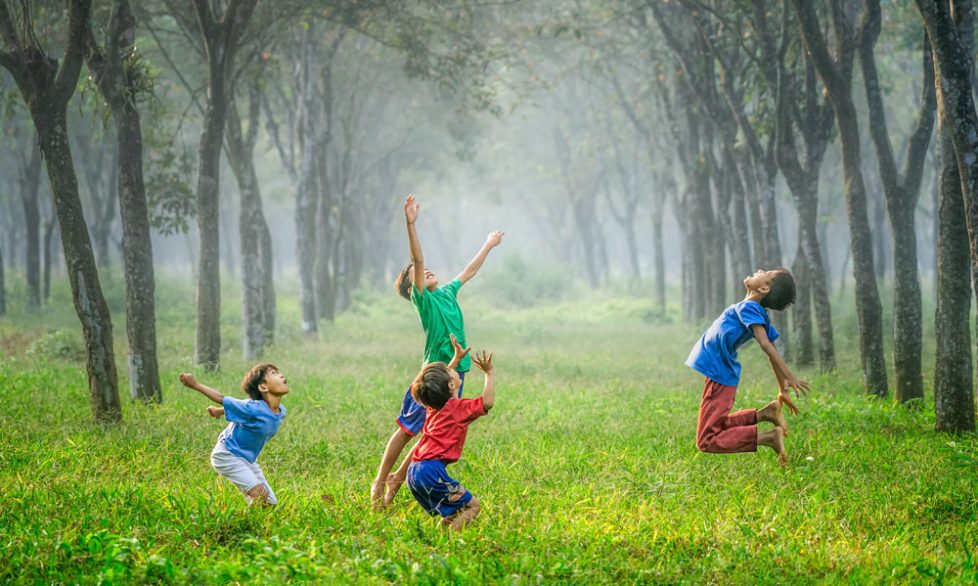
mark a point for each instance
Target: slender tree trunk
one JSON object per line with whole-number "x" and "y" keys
{"x": 29, "y": 185}
{"x": 954, "y": 404}
{"x": 80, "y": 261}
{"x": 50, "y": 227}
{"x": 137, "y": 251}
{"x": 952, "y": 43}
{"x": 659, "y": 257}
{"x": 307, "y": 192}
{"x": 802, "y": 310}
{"x": 208, "y": 339}
{"x": 3, "y": 287}
{"x": 869, "y": 311}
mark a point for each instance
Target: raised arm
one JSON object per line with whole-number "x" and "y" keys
{"x": 786, "y": 379}
{"x": 460, "y": 352}
{"x": 411, "y": 210}
{"x": 484, "y": 361}
{"x": 492, "y": 241}
{"x": 190, "y": 382}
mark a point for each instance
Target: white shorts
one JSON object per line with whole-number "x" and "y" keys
{"x": 242, "y": 473}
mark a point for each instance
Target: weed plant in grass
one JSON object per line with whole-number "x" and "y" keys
{"x": 586, "y": 468}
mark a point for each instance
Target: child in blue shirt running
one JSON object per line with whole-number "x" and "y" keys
{"x": 252, "y": 424}
{"x": 715, "y": 356}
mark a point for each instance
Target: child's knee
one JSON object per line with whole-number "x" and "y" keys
{"x": 473, "y": 507}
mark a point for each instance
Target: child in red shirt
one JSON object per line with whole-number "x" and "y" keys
{"x": 446, "y": 423}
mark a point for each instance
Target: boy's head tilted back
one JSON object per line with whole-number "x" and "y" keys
{"x": 402, "y": 284}
{"x": 255, "y": 378}
{"x": 781, "y": 291}
{"x": 432, "y": 388}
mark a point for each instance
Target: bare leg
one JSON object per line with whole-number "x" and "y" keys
{"x": 395, "y": 445}
{"x": 395, "y": 480}
{"x": 464, "y": 516}
{"x": 774, "y": 439}
{"x": 773, "y": 413}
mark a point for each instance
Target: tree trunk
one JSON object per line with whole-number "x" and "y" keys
{"x": 901, "y": 202}
{"x": 253, "y": 231}
{"x": 838, "y": 83}
{"x": 3, "y": 287}
{"x": 954, "y": 405}
{"x": 659, "y": 257}
{"x": 137, "y": 256}
{"x": 49, "y": 229}
{"x": 221, "y": 35}
{"x": 29, "y": 185}
{"x": 89, "y": 302}
{"x": 801, "y": 312}
{"x": 951, "y": 44}
{"x": 208, "y": 339}
{"x": 307, "y": 194}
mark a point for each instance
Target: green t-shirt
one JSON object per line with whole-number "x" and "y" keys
{"x": 440, "y": 316}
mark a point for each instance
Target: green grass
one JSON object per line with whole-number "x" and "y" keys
{"x": 586, "y": 468}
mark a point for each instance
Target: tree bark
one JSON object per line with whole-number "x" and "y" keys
{"x": 902, "y": 196}
{"x": 30, "y": 181}
{"x": 118, "y": 88}
{"x": 951, "y": 45}
{"x": 252, "y": 228}
{"x": 82, "y": 272}
{"x": 46, "y": 88}
{"x": 221, "y": 37}
{"x": 3, "y": 286}
{"x": 837, "y": 78}
{"x": 49, "y": 229}
{"x": 801, "y": 312}
{"x": 307, "y": 192}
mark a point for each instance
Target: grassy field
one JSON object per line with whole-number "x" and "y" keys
{"x": 586, "y": 468}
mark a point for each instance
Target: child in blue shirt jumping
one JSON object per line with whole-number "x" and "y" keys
{"x": 252, "y": 423}
{"x": 715, "y": 356}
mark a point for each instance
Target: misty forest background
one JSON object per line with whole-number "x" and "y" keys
{"x": 203, "y": 184}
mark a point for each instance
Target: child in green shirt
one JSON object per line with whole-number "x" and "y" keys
{"x": 441, "y": 319}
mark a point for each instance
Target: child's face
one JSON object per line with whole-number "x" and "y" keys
{"x": 760, "y": 281}
{"x": 454, "y": 382}
{"x": 430, "y": 280}
{"x": 275, "y": 383}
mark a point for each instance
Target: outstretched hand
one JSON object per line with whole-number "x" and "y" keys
{"x": 460, "y": 352}
{"x": 411, "y": 209}
{"x": 483, "y": 360}
{"x": 495, "y": 238}
{"x": 785, "y": 400}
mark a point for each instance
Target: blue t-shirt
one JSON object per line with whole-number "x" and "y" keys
{"x": 252, "y": 424}
{"x": 715, "y": 354}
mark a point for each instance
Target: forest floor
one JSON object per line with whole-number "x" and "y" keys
{"x": 586, "y": 468}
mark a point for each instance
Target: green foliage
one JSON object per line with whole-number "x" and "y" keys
{"x": 171, "y": 197}
{"x": 58, "y": 345}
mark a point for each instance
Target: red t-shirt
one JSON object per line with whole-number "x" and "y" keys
{"x": 444, "y": 429}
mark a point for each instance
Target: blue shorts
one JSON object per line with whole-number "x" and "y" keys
{"x": 412, "y": 416}
{"x": 436, "y": 491}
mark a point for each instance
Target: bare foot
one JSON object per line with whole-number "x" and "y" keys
{"x": 773, "y": 413}
{"x": 377, "y": 495}
{"x": 393, "y": 485}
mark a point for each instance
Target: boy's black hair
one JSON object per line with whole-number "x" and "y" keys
{"x": 782, "y": 292}
{"x": 402, "y": 284}
{"x": 431, "y": 387}
{"x": 255, "y": 377}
